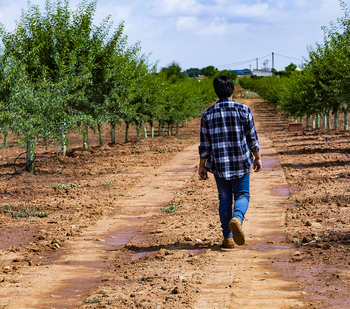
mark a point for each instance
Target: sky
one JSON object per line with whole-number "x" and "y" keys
{"x": 227, "y": 34}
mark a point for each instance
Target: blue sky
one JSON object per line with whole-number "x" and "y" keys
{"x": 228, "y": 34}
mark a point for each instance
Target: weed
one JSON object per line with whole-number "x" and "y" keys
{"x": 123, "y": 195}
{"x": 162, "y": 150}
{"x": 26, "y": 212}
{"x": 64, "y": 186}
{"x": 94, "y": 301}
{"x": 249, "y": 95}
{"x": 190, "y": 191}
{"x": 111, "y": 183}
{"x": 298, "y": 242}
{"x": 94, "y": 172}
{"x": 171, "y": 208}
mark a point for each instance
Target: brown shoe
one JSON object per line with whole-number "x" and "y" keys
{"x": 228, "y": 243}
{"x": 235, "y": 226}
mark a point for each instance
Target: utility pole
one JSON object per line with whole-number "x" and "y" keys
{"x": 257, "y": 63}
{"x": 273, "y": 61}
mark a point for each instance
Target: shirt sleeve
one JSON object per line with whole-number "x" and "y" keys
{"x": 205, "y": 144}
{"x": 252, "y": 136}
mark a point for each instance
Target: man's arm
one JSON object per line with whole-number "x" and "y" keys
{"x": 257, "y": 162}
{"x": 203, "y": 174}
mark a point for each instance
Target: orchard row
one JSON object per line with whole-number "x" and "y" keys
{"x": 322, "y": 86}
{"x": 59, "y": 72}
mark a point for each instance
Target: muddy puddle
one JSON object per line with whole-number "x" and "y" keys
{"x": 270, "y": 162}
{"x": 281, "y": 190}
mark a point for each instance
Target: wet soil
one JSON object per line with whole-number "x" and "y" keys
{"x": 131, "y": 226}
{"x": 317, "y": 164}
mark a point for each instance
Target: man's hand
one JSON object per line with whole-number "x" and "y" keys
{"x": 203, "y": 174}
{"x": 257, "y": 162}
{"x": 257, "y": 165}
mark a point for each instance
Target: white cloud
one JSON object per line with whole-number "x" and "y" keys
{"x": 172, "y": 7}
{"x": 187, "y": 23}
{"x": 250, "y": 11}
{"x": 197, "y": 33}
{"x": 118, "y": 12}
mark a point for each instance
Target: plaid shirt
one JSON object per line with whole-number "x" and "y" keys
{"x": 227, "y": 137}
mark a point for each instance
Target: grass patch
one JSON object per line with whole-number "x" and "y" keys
{"x": 64, "y": 186}
{"x": 111, "y": 183}
{"x": 26, "y": 212}
{"x": 162, "y": 150}
{"x": 94, "y": 172}
{"x": 123, "y": 195}
{"x": 170, "y": 208}
{"x": 190, "y": 191}
{"x": 249, "y": 95}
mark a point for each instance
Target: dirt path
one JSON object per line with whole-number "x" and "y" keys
{"x": 137, "y": 257}
{"x": 65, "y": 280}
{"x": 245, "y": 277}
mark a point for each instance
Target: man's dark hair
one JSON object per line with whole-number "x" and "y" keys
{"x": 223, "y": 86}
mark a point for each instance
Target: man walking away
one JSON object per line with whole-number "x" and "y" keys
{"x": 229, "y": 148}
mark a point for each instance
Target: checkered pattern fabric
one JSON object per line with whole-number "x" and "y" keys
{"x": 227, "y": 138}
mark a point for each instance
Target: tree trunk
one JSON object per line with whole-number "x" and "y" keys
{"x": 314, "y": 122}
{"x": 138, "y": 130}
{"x": 85, "y": 137}
{"x": 336, "y": 123}
{"x": 301, "y": 119}
{"x": 328, "y": 121}
{"x": 169, "y": 133}
{"x": 113, "y": 126}
{"x": 318, "y": 118}
{"x": 127, "y": 132}
{"x": 99, "y": 128}
{"x": 152, "y": 129}
{"x": 30, "y": 156}
{"x": 296, "y": 119}
{"x": 63, "y": 143}
{"x": 159, "y": 128}
{"x": 177, "y": 128}
{"x": 171, "y": 130}
{"x": 5, "y": 139}
{"x": 145, "y": 130}
{"x": 307, "y": 121}
{"x": 346, "y": 121}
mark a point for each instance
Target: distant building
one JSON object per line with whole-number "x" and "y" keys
{"x": 200, "y": 77}
{"x": 242, "y": 72}
{"x": 262, "y": 73}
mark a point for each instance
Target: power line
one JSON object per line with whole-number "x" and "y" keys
{"x": 289, "y": 57}
{"x": 236, "y": 63}
{"x": 269, "y": 55}
{"x": 240, "y": 62}
{"x": 233, "y": 64}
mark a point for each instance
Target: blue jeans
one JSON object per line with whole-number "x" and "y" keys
{"x": 239, "y": 188}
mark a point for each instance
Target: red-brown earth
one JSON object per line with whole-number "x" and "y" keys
{"x": 99, "y": 239}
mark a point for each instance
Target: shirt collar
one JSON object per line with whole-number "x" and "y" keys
{"x": 225, "y": 100}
